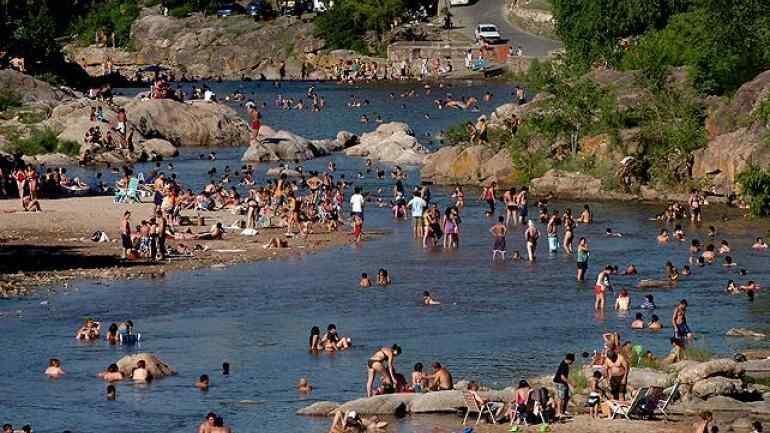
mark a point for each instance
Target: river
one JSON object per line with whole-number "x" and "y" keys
{"x": 497, "y": 322}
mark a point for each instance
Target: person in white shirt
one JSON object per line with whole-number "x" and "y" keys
{"x": 209, "y": 96}
{"x": 357, "y": 203}
{"x": 417, "y": 206}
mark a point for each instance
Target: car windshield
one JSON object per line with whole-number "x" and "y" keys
{"x": 489, "y": 29}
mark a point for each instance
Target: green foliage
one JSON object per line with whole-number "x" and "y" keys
{"x": 9, "y": 99}
{"x": 457, "y": 134}
{"x": 591, "y": 29}
{"x": 43, "y": 141}
{"x": 182, "y": 11}
{"x": 698, "y": 353}
{"x": 672, "y": 126}
{"x": 347, "y": 23}
{"x": 755, "y": 189}
{"x": 579, "y": 381}
{"x": 112, "y": 16}
{"x": 529, "y": 160}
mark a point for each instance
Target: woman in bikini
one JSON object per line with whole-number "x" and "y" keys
{"x": 459, "y": 197}
{"x": 382, "y": 362}
{"x": 32, "y": 181}
{"x": 569, "y": 230}
{"x": 511, "y": 206}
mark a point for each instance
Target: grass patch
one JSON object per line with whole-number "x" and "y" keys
{"x": 9, "y": 99}
{"x": 579, "y": 382}
{"x": 42, "y": 141}
{"x": 698, "y": 353}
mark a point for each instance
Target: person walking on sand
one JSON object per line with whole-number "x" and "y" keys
{"x": 499, "y": 231}
{"x": 531, "y": 235}
{"x": 125, "y": 235}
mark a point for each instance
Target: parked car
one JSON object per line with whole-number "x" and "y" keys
{"x": 459, "y": 2}
{"x": 230, "y": 9}
{"x": 487, "y": 33}
{"x": 259, "y": 9}
{"x": 322, "y": 6}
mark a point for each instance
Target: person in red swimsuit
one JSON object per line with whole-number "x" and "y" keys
{"x": 256, "y": 122}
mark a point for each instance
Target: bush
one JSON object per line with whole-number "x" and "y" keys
{"x": 457, "y": 134}
{"x": 112, "y": 16}
{"x": 44, "y": 141}
{"x": 755, "y": 189}
{"x": 347, "y": 23}
{"x": 9, "y": 99}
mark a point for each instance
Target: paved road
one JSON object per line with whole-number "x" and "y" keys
{"x": 493, "y": 12}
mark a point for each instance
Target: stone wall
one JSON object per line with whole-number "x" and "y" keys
{"x": 414, "y": 52}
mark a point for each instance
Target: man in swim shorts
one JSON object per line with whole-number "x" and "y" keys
{"x": 499, "y": 231}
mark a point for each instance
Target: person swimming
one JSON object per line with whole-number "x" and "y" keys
{"x": 364, "y": 281}
{"x": 427, "y": 299}
{"x": 638, "y": 322}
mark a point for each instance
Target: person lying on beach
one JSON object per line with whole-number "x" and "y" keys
{"x": 276, "y": 243}
{"x": 112, "y": 374}
{"x": 215, "y": 233}
{"x": 351, "y": 422}
{"x": 54, "y": 370}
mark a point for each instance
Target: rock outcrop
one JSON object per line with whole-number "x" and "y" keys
{"x": 195, "y": 124}
{"x": 159, "y": 147}
{"x": 474, "y": 165}
{"x": 391, "y": 142}
{"x": 155, "y": 366}
{"x": 208, "y": 47}
{"x": 564, "y": 184}
{"x": 287, "y": 146}
{"x": 32, "y": 91}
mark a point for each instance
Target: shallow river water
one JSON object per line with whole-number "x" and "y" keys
{"x": 497, "y": 323}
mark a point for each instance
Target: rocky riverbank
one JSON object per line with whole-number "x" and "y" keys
{"x": 619, "y": 162}
{"x": 723, "y": 386}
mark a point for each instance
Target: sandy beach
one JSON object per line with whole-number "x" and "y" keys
{"x": 54, "y": 246}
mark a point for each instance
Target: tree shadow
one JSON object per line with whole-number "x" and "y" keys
{"x": 46, "y": 258}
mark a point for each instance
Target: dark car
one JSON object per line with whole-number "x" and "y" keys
{"x": 230, "y": 9}
{"x": 259, "y": 9}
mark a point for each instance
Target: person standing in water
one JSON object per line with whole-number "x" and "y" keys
{"x": 511, "y": 208}
{"x": 488, "y": 195}
{"x": 582, "y": 259}
{"x": 602, "y": 286}
{"x": 569, "y": 230}
{"x": 531, "y": 235}
{"x": 499, "y": 231}
{"x": 522, "y": 203}
{"x": 383, "y": 363}
{"x": 553, "y": 234}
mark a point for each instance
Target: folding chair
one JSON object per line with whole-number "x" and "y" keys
{"x": 663, "y": 404}
{"x": 626, "y": 409}
{"x": 129, "y": 193}
{"x": 472, "y": 405}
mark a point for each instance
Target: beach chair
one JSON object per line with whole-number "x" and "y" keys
{"x": 627, "y": 409}
{"x": 472, "y": 405}
{"x": 130, "y": 193}
{"x": 663, "y": 404}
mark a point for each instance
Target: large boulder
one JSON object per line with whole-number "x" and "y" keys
{"x": 436, "y": 165}
{"x": 728, "y": 154}
{"x": 72, "y": 119}
{"x": 31, "y": 90}
{"x": 567, "y": 184}
{"x": 714, "y": 386}
{"x": 757, "y": 368}
{"x": 155, "y": 366}
{"x": 160, "y": 147}
{"x": 436, "y": 402}
{"x": 321, "y": 408}
{"x": 639, "y": 377}
{"x": 716, "y": 367}
{"x": 499, "y": 168}
{"x": 390, "y": 142}
{"x": 390, "y": 404}
{"x": 282, "y": 146}
{"x": 196, "y": 124}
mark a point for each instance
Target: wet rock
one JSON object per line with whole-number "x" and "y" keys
{"x": 321, "y": 408}
{"x": 716, "y": 367}
{"x": 346, "y": 139}
{"x": 155, "y": 366}
{"x": 639, "y": 377}
{"x": 390, "y": 142}
{"x": 278, "y": 171}
{"x": 50, "y": 159}
{"x": 280, "y": 146}
{"x": 743, "y": 332}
